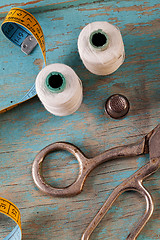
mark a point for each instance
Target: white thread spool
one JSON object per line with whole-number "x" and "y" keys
{"x": 59, "y": 89}
{"x": 101, "y": 48}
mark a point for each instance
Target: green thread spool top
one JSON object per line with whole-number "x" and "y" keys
{"x": 55, "y": 82}
{"x": 99, "y": 39}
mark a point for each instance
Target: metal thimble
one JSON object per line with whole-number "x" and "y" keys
{"x": 117, "y": 106}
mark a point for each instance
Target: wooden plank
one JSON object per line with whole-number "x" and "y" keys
{"x": 42, "y": 5}
{"x": 28, "y": 128}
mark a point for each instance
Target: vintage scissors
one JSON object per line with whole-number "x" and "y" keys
{"x": 149, "y": 144}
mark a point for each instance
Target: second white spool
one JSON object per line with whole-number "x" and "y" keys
{"x": 59, "y": 89}
{"x": 101, "y": 48}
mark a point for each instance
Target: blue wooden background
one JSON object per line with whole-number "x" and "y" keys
{"x": 28, "y": 128}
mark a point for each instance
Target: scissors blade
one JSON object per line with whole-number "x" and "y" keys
{"x": 154, "y": 143}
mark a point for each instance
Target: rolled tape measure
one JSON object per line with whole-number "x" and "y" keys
{"x": 24, "y": 30}
{"x": 9, "y": 209}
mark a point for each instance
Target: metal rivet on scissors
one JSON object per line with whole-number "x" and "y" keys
{"x": 149, "y": 144}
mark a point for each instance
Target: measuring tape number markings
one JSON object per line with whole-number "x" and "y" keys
{"x": 9, "y": 209}
{"x": 24, "y": 30}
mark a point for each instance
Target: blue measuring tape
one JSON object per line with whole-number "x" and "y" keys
{"x": 15, "y": 33}
{"x": 15, "y": 234}
{"x": 22, "y": 28}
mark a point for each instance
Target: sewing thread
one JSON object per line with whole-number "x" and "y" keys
{"x": 101, "y": 48}
{"x": 59, "y": 89}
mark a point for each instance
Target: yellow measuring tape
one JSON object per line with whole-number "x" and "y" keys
{"x": 23, "y": 29}
{"x": 9, "y": 209}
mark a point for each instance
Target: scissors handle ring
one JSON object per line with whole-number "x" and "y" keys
{"x": 73, "y": 189}
{"x": 86, "y": 165}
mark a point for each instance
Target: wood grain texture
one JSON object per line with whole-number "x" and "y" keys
{"x": 28, "y": 128}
